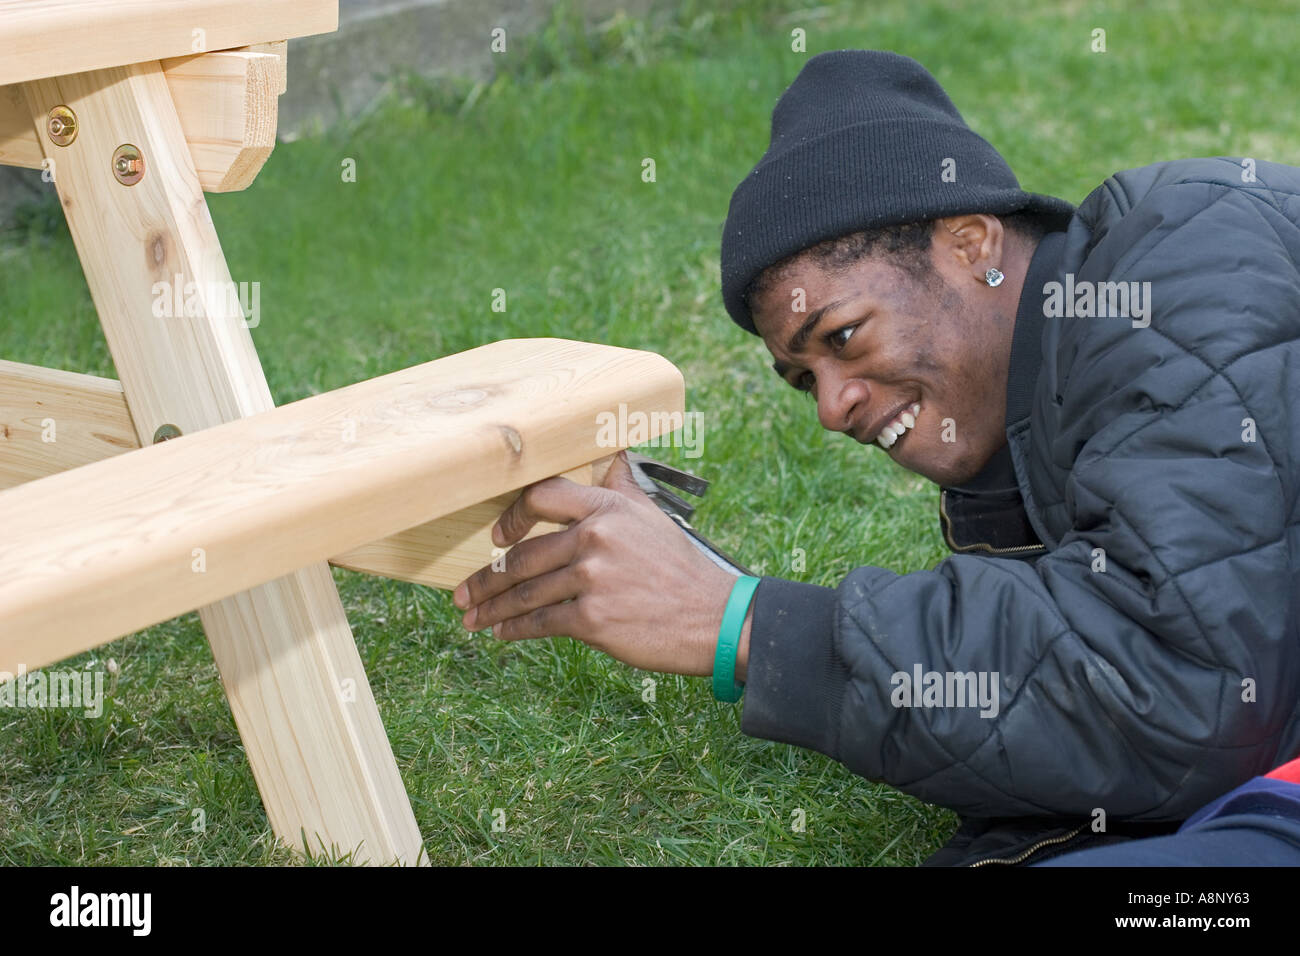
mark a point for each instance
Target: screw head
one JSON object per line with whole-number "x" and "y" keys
{"x": 128, "y": 164}
{"x": 166, "y": 432}
{"x": 62, "y": 126}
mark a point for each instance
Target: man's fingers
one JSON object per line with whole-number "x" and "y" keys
{"x": 528, "y": 559}
{"x": 554, "y": 499}
{"x": 619, "y": 476}
{"x": 619, "y": 479}
{"x": 546, "y": 621}
{"x": 525, "y": 597}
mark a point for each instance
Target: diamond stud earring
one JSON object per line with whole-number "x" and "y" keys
{"x": 994, "y": 277}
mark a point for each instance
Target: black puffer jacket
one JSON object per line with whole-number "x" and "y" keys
{"x": 1171, "y": 450}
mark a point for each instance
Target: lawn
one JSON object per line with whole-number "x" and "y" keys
{"x": 533, "y": 184}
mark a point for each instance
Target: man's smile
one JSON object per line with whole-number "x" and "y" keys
{"x": 890, "y": 427}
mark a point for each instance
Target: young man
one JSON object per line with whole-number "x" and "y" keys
{"x": 1107, "y": 397}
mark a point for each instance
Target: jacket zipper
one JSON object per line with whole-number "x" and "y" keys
{"x": 981, "y": 546}
{"x": 1033, "y": 849}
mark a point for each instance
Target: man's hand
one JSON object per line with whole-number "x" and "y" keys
{"x": 621, "y": 577}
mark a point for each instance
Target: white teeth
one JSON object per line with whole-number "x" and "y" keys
{"x": 895, "y": 429}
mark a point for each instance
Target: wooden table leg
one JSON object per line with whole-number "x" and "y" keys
{"x": 286, "y": 654}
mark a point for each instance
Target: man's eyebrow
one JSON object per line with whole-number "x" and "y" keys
{"x": 804, "y": 333}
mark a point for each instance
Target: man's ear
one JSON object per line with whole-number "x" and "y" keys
{"x": 974, "y": 240}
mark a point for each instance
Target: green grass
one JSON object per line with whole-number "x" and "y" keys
{"x": 532, "y": 183}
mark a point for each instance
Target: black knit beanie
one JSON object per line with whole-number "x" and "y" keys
{"x": 862, "y": 139}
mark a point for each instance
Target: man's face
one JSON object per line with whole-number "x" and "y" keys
{"x": 874, "y": 343}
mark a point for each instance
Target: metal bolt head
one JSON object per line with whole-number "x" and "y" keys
{"x": 166, "y": 432}
{"x": 62, "y": 126}
{"x": 128, "y": 165}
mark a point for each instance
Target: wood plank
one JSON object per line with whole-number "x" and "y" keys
{"x": 112, "y": 546}
{"x": 92, "y": 423}
{"x": 443, "y": 552}
{"x": 53, "y": 421}
{"x": 319, "y": 754}
{"x": 232, "y": 134}
{"x": 228, "y": 107}
{"x": 18, "y": 143}
{"x": 280, "y": 50}
{"x": 44, "y": 38}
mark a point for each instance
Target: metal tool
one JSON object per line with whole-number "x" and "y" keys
{"x": 648, "y": 474}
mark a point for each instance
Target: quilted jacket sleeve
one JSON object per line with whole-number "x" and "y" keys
{"x": 1150, "y": 687}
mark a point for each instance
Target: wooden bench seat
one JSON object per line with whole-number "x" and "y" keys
{"x": 112, "y": 547}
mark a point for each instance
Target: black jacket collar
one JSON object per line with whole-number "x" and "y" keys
{"x": 1027, "y": 340}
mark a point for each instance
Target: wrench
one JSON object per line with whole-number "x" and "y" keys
{"x": 648, "y": 474}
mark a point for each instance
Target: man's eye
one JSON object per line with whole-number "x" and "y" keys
{"x": 805, "y": 382}
{"x": 835, "y": 338}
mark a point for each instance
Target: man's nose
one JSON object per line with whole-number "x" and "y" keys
{"x": 839, "y": 399}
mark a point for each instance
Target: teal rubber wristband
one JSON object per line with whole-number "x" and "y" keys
{"x": 725, "y": 686}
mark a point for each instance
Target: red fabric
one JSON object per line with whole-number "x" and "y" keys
{"x": 1288, "y": 771}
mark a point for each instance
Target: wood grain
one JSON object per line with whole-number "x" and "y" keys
{"x": 91, "y": 422}
{"x": 228, "y": 108}
{"x": 53, "y": 421}
{"x": 443, "y": 552}
{"x": 287, "y": 658}
{"x": 228, "y": 105}
{"x": 112, "y": 546}
{"x": 280, "y": 50}
{"x": 43, "y": 38}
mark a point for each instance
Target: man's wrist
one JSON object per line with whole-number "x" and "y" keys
{"x": 742, "y": 648}
{"x": 728, "y": 650}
